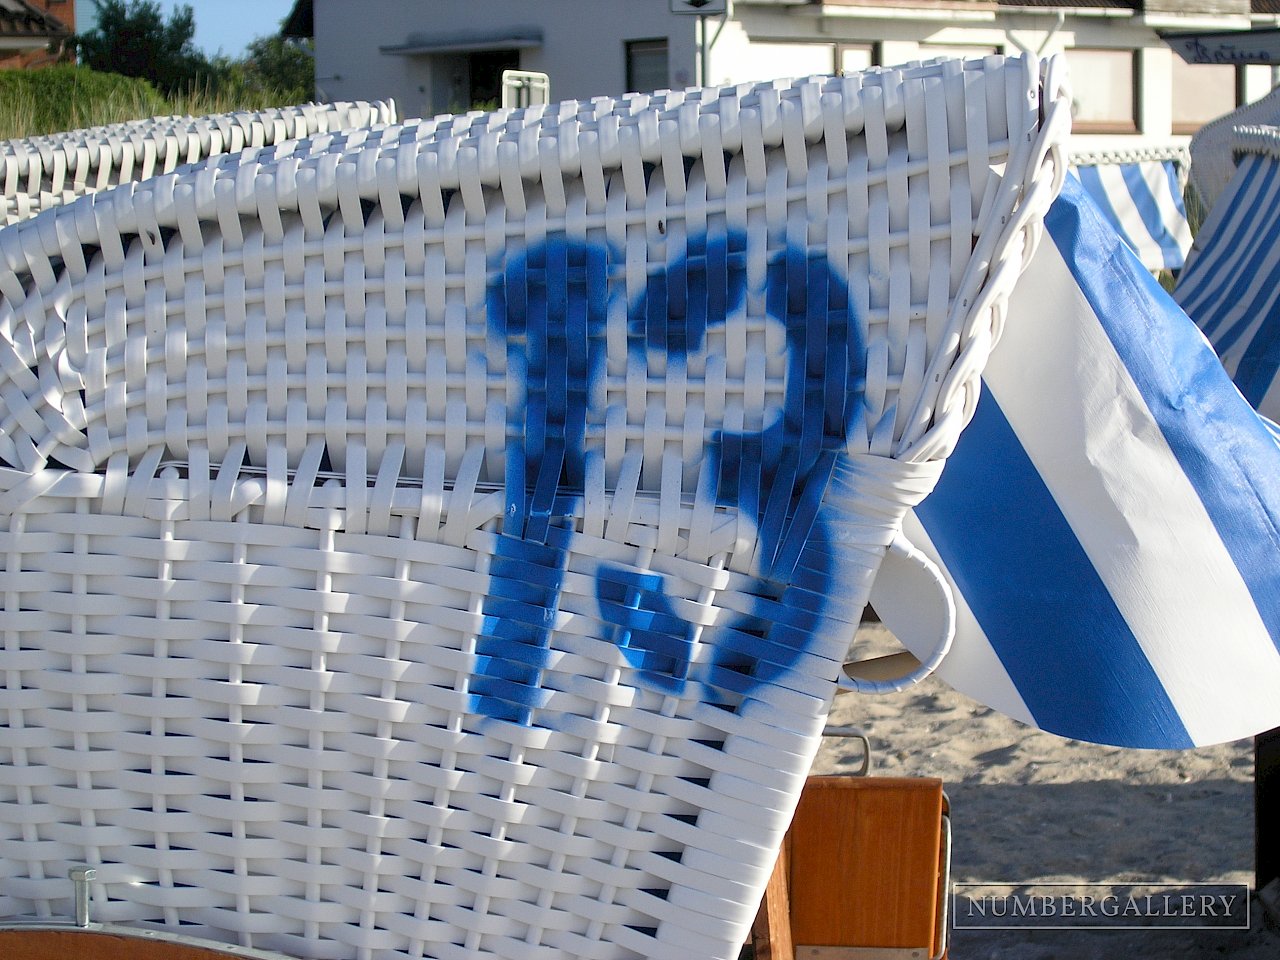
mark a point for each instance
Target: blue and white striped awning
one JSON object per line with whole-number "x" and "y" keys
{"x": 1231, "y": 284}
{"x": 1141, "y": 195}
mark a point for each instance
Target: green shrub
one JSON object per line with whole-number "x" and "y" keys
{"x": 67, "y": 97}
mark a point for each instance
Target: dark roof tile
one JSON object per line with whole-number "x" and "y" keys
{"x": 1077, "y": 4}
{"x": 20, "y": 19}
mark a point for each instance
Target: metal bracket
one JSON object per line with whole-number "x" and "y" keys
{"x": 854, "y": 733}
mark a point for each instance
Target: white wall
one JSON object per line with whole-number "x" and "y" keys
{"x": 582, "y": 46}
{"x": 736, "y": 58}
{"x": 753, "y": 49}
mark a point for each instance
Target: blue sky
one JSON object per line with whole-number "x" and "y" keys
{"x": 227, "y": 26}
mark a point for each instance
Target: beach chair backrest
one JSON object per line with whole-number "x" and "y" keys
{"x": 447, "y": 541}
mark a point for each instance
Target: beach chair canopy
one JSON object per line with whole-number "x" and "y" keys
{"x": 1140, "y": 193}
{"x": 1212, "y": 149}
{"x": 39, "y": 172}
{"x": 446, "y": 542}
{"x": 1231, "y": 286}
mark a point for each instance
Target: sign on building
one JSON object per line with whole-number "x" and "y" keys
{"x": 1226, "y": 46}
{"x": 706, "y": 8}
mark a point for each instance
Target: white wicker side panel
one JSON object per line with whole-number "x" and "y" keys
{"x": 40, "y": 172}
{"x": 266, "y": 730}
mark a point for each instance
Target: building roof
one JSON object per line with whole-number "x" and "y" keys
{"x": 20, "y": 19}
{"x": 301, "y": 21}
{"x": 995, "y": 4}
{"x": 1074, "y": 4}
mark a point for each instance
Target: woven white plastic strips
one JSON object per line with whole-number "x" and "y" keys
{"x": 39, "y": 172}
{"x": 445, "y": 542}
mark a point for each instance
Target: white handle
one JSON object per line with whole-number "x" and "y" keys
{"x": 906, "y": 569}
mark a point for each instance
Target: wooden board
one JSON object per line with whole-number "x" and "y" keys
{"x": 862, "y": 870}
{"x": 96, "y": 945}
{"x": 771, "y": 933}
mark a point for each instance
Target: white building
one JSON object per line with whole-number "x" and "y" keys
{"x": 440, "y": 56}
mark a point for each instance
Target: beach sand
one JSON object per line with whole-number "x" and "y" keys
{"x": 1028, "y": 806}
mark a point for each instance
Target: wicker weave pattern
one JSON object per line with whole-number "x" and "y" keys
{"x": 445, "y": 541}
{"x": 40, "y": 172}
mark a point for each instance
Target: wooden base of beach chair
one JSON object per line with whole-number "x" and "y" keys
{"x": 76, "y": 944}
{"x": 863, "y": 874}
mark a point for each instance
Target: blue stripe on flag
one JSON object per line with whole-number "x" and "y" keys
{"x": 1010, "y": 550}
{"x": 1175, "y": 190}
{"x": 1229, "y": 458}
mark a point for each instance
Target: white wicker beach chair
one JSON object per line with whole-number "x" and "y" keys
{"x": 39, "y": 172}
{"x": 446, "y": 542}
{"x": 1213, "y": 161}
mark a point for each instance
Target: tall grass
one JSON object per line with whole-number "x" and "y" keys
{"x": 67, "y": 97}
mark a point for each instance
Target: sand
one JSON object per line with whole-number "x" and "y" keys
{"x": 1028, "y": 806}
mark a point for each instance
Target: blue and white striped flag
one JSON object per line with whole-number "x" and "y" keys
{"x": 1110, "y": 521}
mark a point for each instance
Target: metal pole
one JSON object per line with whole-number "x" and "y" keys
{"x": 706, "y": 67}
{"x": 1266, "y": 801}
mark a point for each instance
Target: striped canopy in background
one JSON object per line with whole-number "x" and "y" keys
{"x": 1140, "y": 194}
{"x": 1212, "y": 149}
{"x": 1231, "y": 284}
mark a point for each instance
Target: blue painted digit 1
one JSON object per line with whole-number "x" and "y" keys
{"x": 550, "y": 307}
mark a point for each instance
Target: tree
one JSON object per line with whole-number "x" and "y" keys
{"x": 133, "y": 38}
{"x": 272, "y": 65}
{"x": 282, "y": 63}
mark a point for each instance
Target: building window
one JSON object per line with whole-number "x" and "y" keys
{"x": 852, "y": 57}
{"x": 776, "y": 60}
{"x": 934, "y": 51}
{"x": 469, "y": 81}
{"x": 647, "y": 68}
{"x": 485, "y": 70}
{"x": 1104, "y": 85}
{"x": 1203, "y": 92}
